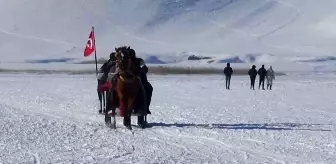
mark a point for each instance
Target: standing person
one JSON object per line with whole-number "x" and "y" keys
{"x": 262, "y": 74}
{"x": 228, "y": 72}
{"x": 253, "y": 74}
{"x": 270, "y": 77}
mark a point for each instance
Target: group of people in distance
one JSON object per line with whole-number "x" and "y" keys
{"x": 268, "y": 74}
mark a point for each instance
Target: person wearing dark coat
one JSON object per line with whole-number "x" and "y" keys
{"x": 103, "y": 75}
{"x": 262, "y": 74}
{"x": 148, "y": 86}
{"x": 105, "y": 68}
{"x": 228, "y": 71}
{"x": 142, "y": 71}
{"x": 253, "y": 74}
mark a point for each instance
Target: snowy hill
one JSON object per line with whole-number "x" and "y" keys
{"x": 169, "y": 31}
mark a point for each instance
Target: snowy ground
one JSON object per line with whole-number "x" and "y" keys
{"x": 52, "y": 119}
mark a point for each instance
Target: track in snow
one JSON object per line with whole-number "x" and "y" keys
{"x": 53, "y": 119}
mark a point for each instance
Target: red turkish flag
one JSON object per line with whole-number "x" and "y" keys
{"x": 90, "y": 46}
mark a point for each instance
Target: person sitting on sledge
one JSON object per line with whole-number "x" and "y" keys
{"x": 148, "y": 86}
{"x": 103, "y": 75}
{"x": 141, "y": 72}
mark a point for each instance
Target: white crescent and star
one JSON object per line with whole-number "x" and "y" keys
{"x": 89, "y": 43}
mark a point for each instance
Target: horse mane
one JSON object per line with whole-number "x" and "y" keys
{"x": 121, "y": 48}
{"x": 128, "y": 59}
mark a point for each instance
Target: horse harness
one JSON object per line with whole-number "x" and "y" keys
{"x": 121, "y": 73}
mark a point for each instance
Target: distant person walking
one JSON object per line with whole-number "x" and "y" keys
{"x": 270, "y": 77}
{"x": 253, "y": 74}
{"x": 228, "y": 72}
{"x": 262, "y": 74}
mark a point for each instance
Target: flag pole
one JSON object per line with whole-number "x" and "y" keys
{"x": 94, "y": 45}
{"x": 100, "y": 95}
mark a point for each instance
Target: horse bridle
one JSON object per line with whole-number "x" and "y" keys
{"x": 120, "y": 72}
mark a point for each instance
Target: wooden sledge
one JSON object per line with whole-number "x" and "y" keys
{"x": 104, "y": 96}
{"x": 133, "y": 114}
{"x": 118, "y": 113}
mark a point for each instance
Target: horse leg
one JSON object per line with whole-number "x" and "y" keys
{"x": 109, "y": 106}
{"x": 149, "y": 92}
{"x": 130, "y": 106}
{"x": 104, "y": 100}
{"x": 144, "y": 96}
{"x": 113, "y": 108}
{"x": 107, "y": 118}
{"x": 127, "y": 120}
{"x": 114, "y": 123}
{"x": 125, "y": 112}
{"x": 142, "y": 121}
{"x": 100, "y": 101}
{"x": 142, "y": 110}
{"x": 146, "y": 120}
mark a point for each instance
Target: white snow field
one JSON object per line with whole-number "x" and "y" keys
{"x": 53, "y": 119}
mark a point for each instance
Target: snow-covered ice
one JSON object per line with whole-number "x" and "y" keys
{"x": 53, "y": 119}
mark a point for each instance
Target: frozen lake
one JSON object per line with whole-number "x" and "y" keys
{"x": 53, "y": 119}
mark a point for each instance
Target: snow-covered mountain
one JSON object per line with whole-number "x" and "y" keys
{"x": 170, "y": 30}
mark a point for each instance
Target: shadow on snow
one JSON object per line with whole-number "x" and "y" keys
{"x": 266, "y": 126}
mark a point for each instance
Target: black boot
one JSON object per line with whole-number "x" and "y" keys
{"x": 144, "y": 99}
{"x": 149, "y": 91}
{"x": 100, "y": 101}
{"x": 141, "y": 121}
{"x": 104, "y": 101}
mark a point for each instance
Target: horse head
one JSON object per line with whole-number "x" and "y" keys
{"x": 125, "y": 59}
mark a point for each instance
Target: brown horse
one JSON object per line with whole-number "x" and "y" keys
{"x": 125, "y": 87}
